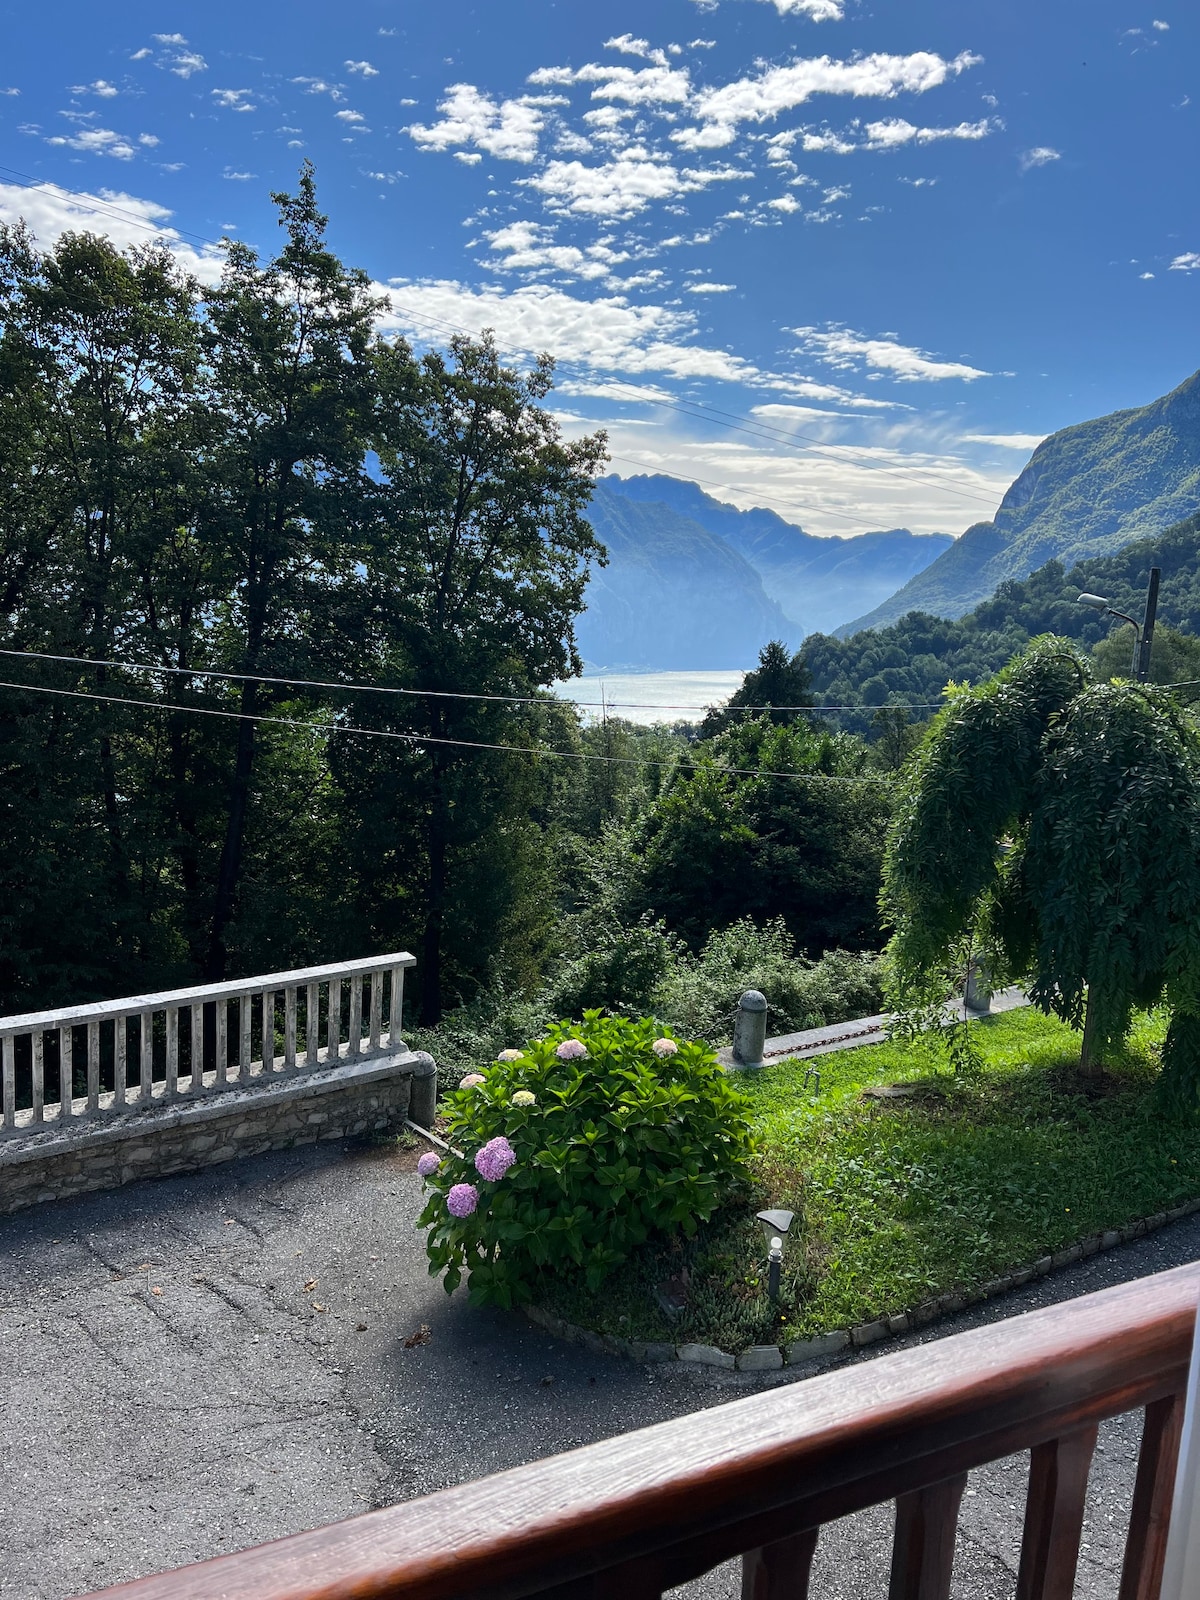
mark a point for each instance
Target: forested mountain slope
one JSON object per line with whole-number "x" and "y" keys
{"x": 1088, "y": 491}
{"x": 818, "y": 582}
{"x": 914, "y": 658}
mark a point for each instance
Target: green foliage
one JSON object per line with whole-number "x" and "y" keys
{"x": 780, "y": 681}
{"x": 619, "y": 1145}
{"x": 1058, "y": 821}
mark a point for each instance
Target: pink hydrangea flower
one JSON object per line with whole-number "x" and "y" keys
{"x": 524, "y": 1097}
{"x": 428, "y": 1164}
{"x": 665, "y": 1047}
{"x": 494, "y": 1160}
{"x": 571, "y": 1050}
{"x": 471, "y": 1079}
{"x": 462, "y": 1199}
{"x": 510, "y": 1055}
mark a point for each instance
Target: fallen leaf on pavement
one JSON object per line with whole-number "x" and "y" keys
{"x": 157, "y": 1292}
{"x": 422, "y": 1336}
{"x": 317, "y": 1306}
{"x": 362, "y": 1328}
{"x": 310, "y": 1285}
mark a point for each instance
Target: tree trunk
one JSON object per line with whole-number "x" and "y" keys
{"x": 230, "y": 871}
{"x": 1089, "y": 1063}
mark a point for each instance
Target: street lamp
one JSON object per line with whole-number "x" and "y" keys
{"x": 775, "y": 1225}
{"x": 1143, "y": 632}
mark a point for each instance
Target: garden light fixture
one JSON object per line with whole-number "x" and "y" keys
{"x": 775, "y": 1225}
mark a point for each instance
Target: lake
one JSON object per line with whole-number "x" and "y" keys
{"x": 650, "y": 696}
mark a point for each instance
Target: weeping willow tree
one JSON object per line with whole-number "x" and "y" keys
{"x": 1052, "y": 823}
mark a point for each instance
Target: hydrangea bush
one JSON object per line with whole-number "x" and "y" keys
{"x": 574, "y": 1151}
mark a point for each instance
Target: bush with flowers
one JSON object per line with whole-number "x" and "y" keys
{"x": 571, "y": 1153}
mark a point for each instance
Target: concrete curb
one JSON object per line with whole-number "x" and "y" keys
{"x": 820, "y": 1350}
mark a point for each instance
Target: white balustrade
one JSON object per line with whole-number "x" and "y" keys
{"x": 118, "y": 1056}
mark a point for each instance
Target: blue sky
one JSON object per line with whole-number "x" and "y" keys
{"x": 844, "y": 260}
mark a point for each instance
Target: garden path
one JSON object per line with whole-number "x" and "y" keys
{"x": 282, "y": 1379}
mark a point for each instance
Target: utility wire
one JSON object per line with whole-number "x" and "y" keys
{"x": 442, "y": 694}
{"x": 743, "y": 425}
{"x": 327, "y": 729}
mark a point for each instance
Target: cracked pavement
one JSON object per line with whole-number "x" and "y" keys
{"x": 200, "y": 1363}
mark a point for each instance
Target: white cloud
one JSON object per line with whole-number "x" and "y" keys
{"x": 1160, "y": 27}
{"x": 710, "y": 288}
{"x": 530, "y": 247}
{"x": 891, "y": 134}
{"x": 469, "y": 158}
{"x": 606, "y": 335}
{"x": 630, "y": 393}
{"x": 186, "y": 64}
{"x": 1040, "y": 156}
{"x": 1189, "y": 261}
{"x": 816, "y": 10}
{"x": 702, "y": 44}
{"x": 6, "y": 92}
{"x": 785, "y": 202}
{"x": 1144, "y": 275}
{"x": 363, "y": 68}
{"x": 238, "y": 177}
{"x": 102, "y": 142}
{"x": 319, "y": 86}
{"x": 101, "y": 88}
{"x": 655, "y": 85}
{"x": 1007, "y": 441}
{"x": 349, "y": 116}
{"x": 629, "y": 46}
{"x": 170, "y": 38}
{"x": 722, "y": 111}
{"x": 507, "y": 129}
{"x": 845, "y": 350}
{"x": 234, "y": 99}
{"x": 623, "y": 187}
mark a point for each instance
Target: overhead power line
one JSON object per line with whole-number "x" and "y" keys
{"x": 325, "y": 730}
{"x": 441, "y": 694}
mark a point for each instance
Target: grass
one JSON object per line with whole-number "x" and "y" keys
{"x": 900, "y": 1200}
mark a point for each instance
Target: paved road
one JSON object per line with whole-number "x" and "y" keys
{"x": 197, "y": 1364}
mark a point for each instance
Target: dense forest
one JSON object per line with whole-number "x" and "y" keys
{"x": 282, "y": 604}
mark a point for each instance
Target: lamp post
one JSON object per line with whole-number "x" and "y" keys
{"x": 775, "y": 1225}
{"x": 1143, "y": 632}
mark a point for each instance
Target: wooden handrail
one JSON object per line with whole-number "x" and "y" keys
{"x": 634, "y": 1515}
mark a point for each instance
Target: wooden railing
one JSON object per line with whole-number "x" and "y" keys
{"x": 105, "y": 1059}
{"x": 635, "y": 1515}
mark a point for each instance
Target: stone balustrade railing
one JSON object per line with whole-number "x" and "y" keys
{"x": 93, "y": 1062}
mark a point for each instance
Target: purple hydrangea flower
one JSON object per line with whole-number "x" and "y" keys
{"x": 428, "y": 1164}
{"x": 571, "y": 1050}
{"x": 494, "y": 1160}
{"x": 462, "y": 1199}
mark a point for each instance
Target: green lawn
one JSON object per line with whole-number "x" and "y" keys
{"x": 901, "y": 1200}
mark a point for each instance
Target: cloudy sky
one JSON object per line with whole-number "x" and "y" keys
{"x": 849, "y": 261}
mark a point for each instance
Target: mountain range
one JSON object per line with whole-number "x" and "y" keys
{"x": 693, "y": 584}
{"x": 1088, "y": 490}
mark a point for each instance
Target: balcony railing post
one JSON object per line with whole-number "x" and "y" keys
{"x": 1142, "y": 1569}
{"x": 120, "y": 1047}
{"x": 8, "y": 1080}
{"x": 196, "y": 1014}
{"x": 396, "y": 1012}
{"x": 780, "y": 1571}
{"x": 1058, "y": 1477}
{"x": 245, "y": 1052}
{"x": 221, "y": 1031}
{"x": 66, "y": 1073}
{"x": 289, "y": 1028}
{"x": 355, "y": 1048}
{"x": 333, "y": 1037}
{"x": 39, "y": 1076}
{"x": 923, "y": 1549}
{"x": 376, "y": 1009}
{"x": 171, "y": 1085}
{"x": 93, "y": 1061}
{"x": 146, "y": 1082}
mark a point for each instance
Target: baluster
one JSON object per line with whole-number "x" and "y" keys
{"x": 93, "y": 1058}
{"x": 289, "y": 1028}
{"x": 197, "y": 1019}
{"x": 923, "y": 1550}
{"x": 376, "y": 1009}
{"x": 780, "y": 1570}
{"x": 39, "y": 1076}
{"x": 8, "y": 1080}
{"x": 66, "y": 1073}
{"x": 312, "y": 1031}
{"x": 120, "y": 1046}
{"x": 222, "y": 1032}
{"x": 146, "y": 1085}
{"x": 396, "y": 1012}
{"x": 333, "y": 1033}
{"x": 268, "y": 1031}
{"x": 356, "y": 984}
{"x": 171, "y": 1087}
{"x": 1058, "y": 1476}
{"x": 245, "y": 1004}
{"x": 1141, "y": 1573}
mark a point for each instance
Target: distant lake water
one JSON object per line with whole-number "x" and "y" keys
{"x": 650, "y": 696}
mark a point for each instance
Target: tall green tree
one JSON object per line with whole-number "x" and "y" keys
{"x": 479, "y": 556}
{"x": 780, "y": 682}
{"x": 1056, "y": 821}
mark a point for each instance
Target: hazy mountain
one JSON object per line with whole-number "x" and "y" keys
{"x": 818, "y": 582}
{"x": 1088, "y": 491}
{"x": 674, "y": 597}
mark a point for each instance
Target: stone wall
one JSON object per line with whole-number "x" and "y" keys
{"x": 181, "y": 1136}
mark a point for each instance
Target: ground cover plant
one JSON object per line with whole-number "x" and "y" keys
{"x": 899, "y": 1200}
{"x": 589, "y": 1143}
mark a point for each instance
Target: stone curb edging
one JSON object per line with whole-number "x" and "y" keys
{"x": 823, "y": 1347}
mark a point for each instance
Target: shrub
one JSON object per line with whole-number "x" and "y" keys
{"x": 615, "y": 1133}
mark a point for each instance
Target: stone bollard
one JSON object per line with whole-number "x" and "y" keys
{"x": 422, "y": 1097}
{"x": 978, "y": 996}
{"x": 750, "y": 1031}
